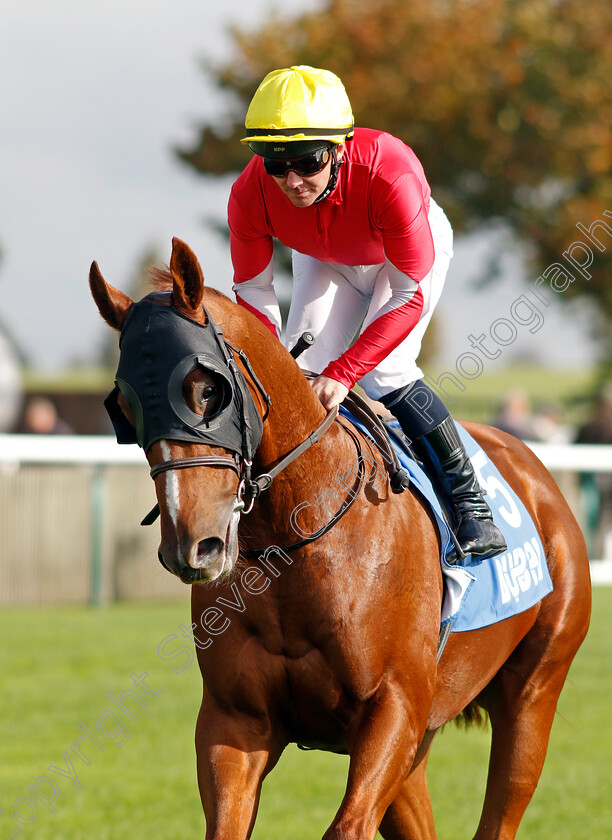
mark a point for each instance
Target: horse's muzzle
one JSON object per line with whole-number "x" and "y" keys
{"x": 195, "y": 561}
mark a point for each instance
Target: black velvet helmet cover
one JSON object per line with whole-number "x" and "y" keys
{"x": 159, "y": 347}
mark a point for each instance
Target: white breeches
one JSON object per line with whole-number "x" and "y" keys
{"x": 336, "y": 302}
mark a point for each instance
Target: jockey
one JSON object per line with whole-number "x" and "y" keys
{"x": 370, "y": 252}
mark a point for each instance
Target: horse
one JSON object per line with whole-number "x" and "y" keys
{"x": 330, "y": 642}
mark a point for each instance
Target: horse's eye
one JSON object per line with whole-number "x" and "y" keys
{"x": 208, "y": 398}
{"x": 202, "y": 393}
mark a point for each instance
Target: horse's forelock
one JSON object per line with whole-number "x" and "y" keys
{"x": 225, "y": 311}
{"x": 160, "y": 279}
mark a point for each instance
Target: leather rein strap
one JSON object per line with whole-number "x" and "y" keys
{"x": 252, "y": 486}
{"x": 362, "y": 412}
{"x": 354, "y": 492}
{"x": 263, "y": 481}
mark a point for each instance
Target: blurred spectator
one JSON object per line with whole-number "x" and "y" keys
{"x": 599, "y": 428}
{"x": 597, "y": 487}
{"x": 514, "y": 416}
{"x": 41, "y": 418}
{"x": 548, "y": 427}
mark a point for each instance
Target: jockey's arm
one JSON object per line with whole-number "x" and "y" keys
{"x": 391, "y": 325}
{"x": 400, "y": 212}
{"x": 258, "y": 296}
{"x": 252, "y": 258}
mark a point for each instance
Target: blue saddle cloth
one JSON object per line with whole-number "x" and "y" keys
{"x": 479, "y": 594}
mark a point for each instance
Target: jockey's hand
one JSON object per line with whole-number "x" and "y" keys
{"x": 329, "y": 391}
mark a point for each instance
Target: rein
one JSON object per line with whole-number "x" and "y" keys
{"x": 253, "y": 487}
{"x": 354, "y": 492}
{"x": 263, "y": 481}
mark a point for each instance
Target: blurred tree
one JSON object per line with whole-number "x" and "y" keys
{"x": 506, "y": 102}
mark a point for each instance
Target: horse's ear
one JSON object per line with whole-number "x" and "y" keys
{"x": 187, "y": 277}
{"x": 112, "y": 303}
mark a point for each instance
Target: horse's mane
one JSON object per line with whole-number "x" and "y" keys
{"x": 160, "y": 278}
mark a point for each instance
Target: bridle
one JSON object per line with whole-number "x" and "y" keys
{"x": 249, "y": 487}
{"x": 241, "y": 463}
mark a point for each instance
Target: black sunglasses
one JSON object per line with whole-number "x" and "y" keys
{"x": 305, "y": 165}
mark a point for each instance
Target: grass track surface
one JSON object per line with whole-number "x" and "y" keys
{"x": 58, "y": 666}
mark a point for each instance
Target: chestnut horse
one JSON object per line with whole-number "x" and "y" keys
{"x": 333, "y": 645}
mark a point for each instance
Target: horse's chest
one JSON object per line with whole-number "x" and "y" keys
{"x": 316, "y": 707}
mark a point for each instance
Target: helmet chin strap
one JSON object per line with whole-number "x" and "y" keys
{"x": 333, "y": 176}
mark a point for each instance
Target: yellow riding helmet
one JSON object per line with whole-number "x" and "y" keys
{"x": 299, "y": 103}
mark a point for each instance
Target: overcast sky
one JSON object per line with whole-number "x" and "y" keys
{"x": 93, "y": 95}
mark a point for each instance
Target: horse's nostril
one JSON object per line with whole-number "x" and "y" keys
{"x": 208, "y": 550}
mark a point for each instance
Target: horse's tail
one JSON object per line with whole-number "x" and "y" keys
{"x": 472, "y": 715}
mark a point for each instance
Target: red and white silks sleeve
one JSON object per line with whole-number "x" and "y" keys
{"x": 252, "y": 257}
{"x": 258, "y": 296}
{"x": 388, "y": 328}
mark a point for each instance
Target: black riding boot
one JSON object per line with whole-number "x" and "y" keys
{"x": 425, "y": 420}
{"x": 450, "y": 470}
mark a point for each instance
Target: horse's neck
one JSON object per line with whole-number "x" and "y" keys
{"x": 295, "y": 410}
{"x": 295, "y": 413}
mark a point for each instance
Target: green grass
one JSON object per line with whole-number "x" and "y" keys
{"x": 59, "y": 664}
{"x": 76, "y": 380}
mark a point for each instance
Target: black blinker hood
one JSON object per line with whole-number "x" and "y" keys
{"x": 159, "y": 347}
